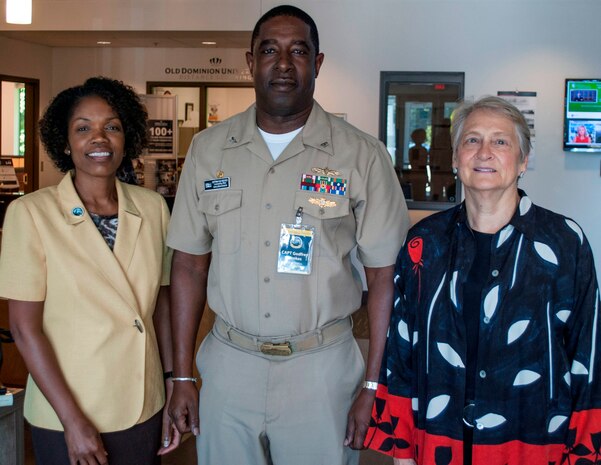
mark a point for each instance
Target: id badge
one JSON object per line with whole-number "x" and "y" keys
{"x": 296, "y": 247}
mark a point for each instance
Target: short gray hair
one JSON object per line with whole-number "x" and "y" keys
{"x": 496, "y": 105}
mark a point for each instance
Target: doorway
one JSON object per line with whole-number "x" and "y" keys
{"x": 19, "y": 100}
{"x": 200, "y": 105}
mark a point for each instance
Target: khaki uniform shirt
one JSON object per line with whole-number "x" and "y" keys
{"x": 240, "y": 225}
{"x": 53, "y": 252}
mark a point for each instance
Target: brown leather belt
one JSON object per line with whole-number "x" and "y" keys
{"x": 284, "y": 345}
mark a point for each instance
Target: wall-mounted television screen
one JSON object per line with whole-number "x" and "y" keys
{"x": 582, "y": 117}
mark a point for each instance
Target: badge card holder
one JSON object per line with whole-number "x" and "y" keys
{"x": 296, "y": 247}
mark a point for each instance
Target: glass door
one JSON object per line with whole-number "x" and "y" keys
{"x": 415, "y": 121}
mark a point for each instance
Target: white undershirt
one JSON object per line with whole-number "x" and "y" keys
{"x": 277, "y": 143}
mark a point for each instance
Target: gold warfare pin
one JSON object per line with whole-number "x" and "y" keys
{"x": 321, "y": 202}
{"x": 325, "y": 171}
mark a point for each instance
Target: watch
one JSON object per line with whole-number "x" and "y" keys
{"x": 371, "y": 385}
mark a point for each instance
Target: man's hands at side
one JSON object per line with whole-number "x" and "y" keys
{"x": 183, "y": 408}
{"x": 358, "y": 419}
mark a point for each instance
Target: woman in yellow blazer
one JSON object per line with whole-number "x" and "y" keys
{"x": 85, "y": 268}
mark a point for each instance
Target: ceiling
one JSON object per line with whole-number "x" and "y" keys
{"x": 145, "y": 39}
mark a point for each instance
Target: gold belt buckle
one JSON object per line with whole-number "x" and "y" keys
{"x": 283, "y": 348}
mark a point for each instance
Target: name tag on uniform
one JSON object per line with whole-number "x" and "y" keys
{"x": 296, "y": 249}
{"x": 217, "y": 184}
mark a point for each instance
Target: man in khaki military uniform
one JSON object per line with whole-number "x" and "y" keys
{"x": 270, "y": 204}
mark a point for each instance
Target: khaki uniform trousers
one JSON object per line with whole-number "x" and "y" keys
{"x": 258, "y": 409}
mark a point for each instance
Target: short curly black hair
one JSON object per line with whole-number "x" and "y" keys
{"x": 122, "y": 98}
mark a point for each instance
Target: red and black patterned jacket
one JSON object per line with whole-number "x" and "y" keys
{"x": 538, "y": 377}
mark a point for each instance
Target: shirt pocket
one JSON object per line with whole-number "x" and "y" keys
{"x": 326, "y": 212}
{"x": 223, "y": 212}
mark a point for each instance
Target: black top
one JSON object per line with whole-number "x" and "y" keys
{"x": 472, "y": 304}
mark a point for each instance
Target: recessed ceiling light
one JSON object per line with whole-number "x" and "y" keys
{"x": 208, "y": 43}
{"x": 103, "y": 42}
{"x": 18, "y": 11}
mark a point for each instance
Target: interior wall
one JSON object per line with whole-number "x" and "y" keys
{"x": 21, "y": 59}
{"x": 141, "y": 15}
{"x": 528, "y": 45}
{"x": 136, "y": 66}
{"x": 229, "y": 101}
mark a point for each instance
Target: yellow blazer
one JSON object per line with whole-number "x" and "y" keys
{"x": 98, "y": 303}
